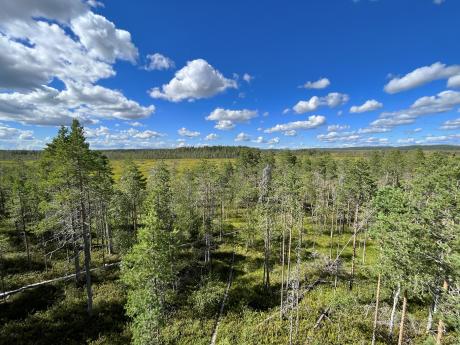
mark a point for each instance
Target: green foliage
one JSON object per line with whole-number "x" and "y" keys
{"x": 148, "y": 268}
{"x": 206, "y": 300}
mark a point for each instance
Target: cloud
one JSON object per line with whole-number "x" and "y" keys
{"x": 62, "y": 11}
{"x": 306, "y": 106}
{"x": 147, "y": 134}
{"x": 442, "y": 102}
{"x": 96, "y": 132}
{"x": 373, "y": 129}
{"x": 451, "y": 124}
{"x": 11, "y": 133}
{"x": 260, "y": 140}
{"x": 422, "y": 76}
{"x": 406, "y": 141}
{"x": 248, "y": 78}
{"x": 242, "y": 137}
{"x": 369, "y": 105}
{"x": 50, "y": 40}
{"x": 226, "y": 119}
{"x": 102, "y": 39}
{"x": 211, "y": 136}
{"x": 135, "y": 124}
{"x": 438, "y": 2}
{"x": 49, "y": 106}
{"x": 336, "y": 136}
{"x": 332, "y": 100}
{"x": 337, "y": 128}
{"x": 415, "y": 130}
{"x": 286, "y": 111}
{"x": 104, "y": 137}
{"x": 454, "y": 81}
{"x": 350, "y": 138}
{"x": 184, "y": 132}
{"x": 290, "y": 133}
{"x": 312, "y": 122}
{"x": 103, "y": 131}
{"x": 15, "y": 138}
{"x": 273, "y": 141}
{"x": 159, "y": 62}
{"x": 319, "y": 84}
{"x": 198, "y": 79}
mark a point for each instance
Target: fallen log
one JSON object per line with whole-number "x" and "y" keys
{"x": 324, "y": 314}
{"x": 34, "y": 285}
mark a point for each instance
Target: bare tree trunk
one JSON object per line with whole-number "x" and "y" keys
{"x": 26, "y": 244}
{"x": 355, "y": 230}
{"x": 403, "y": 317}
{"x": 24, "y": 233}
{"x": 441, "y": 322}
{"x": 76, "y": 251}
{"x": 267, "y": 254}
{"x": 85, "y": 226}
{"x": 377, "y": 297}
{"x": 364, "y": 248}
{"x": 288, "y": 278}
{"x": 282, "y": 268}
{"x": 393, "y": 310}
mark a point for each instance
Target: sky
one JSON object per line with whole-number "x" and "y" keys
{"x": 268, "y": 74}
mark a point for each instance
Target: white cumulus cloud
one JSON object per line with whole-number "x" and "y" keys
{"x": 312, "y": 122}
{"x": 332, "y": 100}
{"x": 184, "y": 132}
{"x": 242, "y": 137}
{"x": 369, "y": 105}
{"x": 159, "y": 62}
{"x": 198, "y": 79}
{"x": 64, "y": 40}
{"x": 226, "y": 119}
{"x": 211, "y": 136}
{"x": 318, "y": 84}
{"x": 422, "y": 76}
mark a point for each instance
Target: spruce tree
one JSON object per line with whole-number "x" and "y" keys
{"x": 148, "y": 269}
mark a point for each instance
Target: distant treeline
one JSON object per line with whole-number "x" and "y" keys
{"x": 218, "y": 152}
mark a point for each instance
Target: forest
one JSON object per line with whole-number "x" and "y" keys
{"x": 228, "y": 245}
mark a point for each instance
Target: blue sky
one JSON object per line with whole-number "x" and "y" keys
{"x": 318, "y": 73}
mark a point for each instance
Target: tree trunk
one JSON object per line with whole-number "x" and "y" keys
{"x": 403, "y": 317}
{"x": 355, "y": 230}
{"x": 108, "y": 234}
{"x": 267, "y": 253}
{"x": 288, "y": 278}
{"x": 393, "y": 310}
{"x": 76, "y": 251}
{"x": 87, "y": 250}
{"x": 282, "y": 268}
{"x": 377, "y": 297}
{"x": 441, "y": 322}
{"x": 87, "y": 247}
{"x": 24, "y": 233}
{"x": 364, "y": 248}
{"x": 26, "y": 244}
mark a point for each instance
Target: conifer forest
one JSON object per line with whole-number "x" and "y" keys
{"x": 229, "y": 246}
